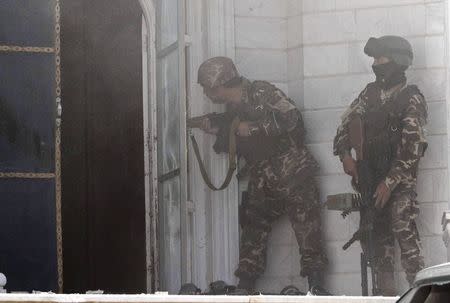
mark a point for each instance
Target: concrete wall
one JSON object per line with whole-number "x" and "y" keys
{"x": 261, "y": 40}
{"x": 268, "y": 47}
{"x": 314, "y": 51}
{"x": 335, "y": 70}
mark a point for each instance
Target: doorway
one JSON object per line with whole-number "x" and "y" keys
{"x": 103, "y": 198}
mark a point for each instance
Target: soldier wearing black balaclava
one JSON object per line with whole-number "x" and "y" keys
{"x": 393, "y": 114}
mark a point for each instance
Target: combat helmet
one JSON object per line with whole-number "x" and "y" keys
{"x": 396, "y": 48}
{"x": 216, "y": 71}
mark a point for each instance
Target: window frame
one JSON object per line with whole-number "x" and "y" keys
{"x": 209, "y": 247}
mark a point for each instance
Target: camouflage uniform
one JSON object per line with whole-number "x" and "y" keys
{"x": 281, "y": 184}
{"x": 397, "y": 219}
{"x": 281, "y": 174}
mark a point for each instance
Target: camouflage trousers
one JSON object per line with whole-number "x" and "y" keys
{"x": 397, "y": 221}
{"x": 275, "y": 188}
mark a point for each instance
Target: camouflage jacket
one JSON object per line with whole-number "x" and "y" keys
{"x": 272, "y": 115}
{"x": 269, "y": 111}
{"x": 404, "y": 166}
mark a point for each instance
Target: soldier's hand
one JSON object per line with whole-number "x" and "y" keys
{"x": 243, "y": 129}
{"x": 349, "y": 165}
{"x": 206, "y": 127}
{"x": 382, "y": 195}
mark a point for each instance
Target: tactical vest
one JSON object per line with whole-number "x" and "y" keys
{"x": 383, "y": 127}
{"x": 261, "y": 147}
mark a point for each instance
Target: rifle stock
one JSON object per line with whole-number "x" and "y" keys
{"x": 366, "y": 185}
{"x": 356, "y": 137}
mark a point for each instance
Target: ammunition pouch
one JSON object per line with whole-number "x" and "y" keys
{"x": 383, "y": 134}
{"x": 256, "y": 147}
{"x": 252, "y": 149}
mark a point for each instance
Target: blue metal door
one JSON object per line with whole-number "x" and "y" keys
{"x": 30, "y": 217}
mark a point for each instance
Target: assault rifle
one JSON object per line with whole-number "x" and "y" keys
{"x": 363, "y": 202}
{"x": 218, "y": 120}
{"x": 226, "y": 124}
{"x": 253, "y": 148}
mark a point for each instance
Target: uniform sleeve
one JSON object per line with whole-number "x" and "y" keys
{"x": 413, "y": 144}
{"x": 280, "y": 113}
{"x": 341, "y": 143}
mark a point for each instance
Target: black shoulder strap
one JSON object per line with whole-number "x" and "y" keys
{"x": 231, "y": 158}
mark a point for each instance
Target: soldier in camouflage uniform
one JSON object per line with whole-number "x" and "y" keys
{"x": 280, "y": 184}
{"x": 393, "y": 115}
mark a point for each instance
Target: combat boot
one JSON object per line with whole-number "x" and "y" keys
{"x": 386, "y": 284}
{"x": 315, "y": 282}
{"x": 218, "y": 288}
{"x": 189, "y": 289}
{"x": 314, "y": 279}
{"x": 291, "y": 290}
{"x": 247, "y": 284}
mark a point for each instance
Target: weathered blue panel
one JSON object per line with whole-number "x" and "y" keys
{"x": 28, "y": 234}
{"x": 27, "y": 112}
{"x": 27, "y": 22}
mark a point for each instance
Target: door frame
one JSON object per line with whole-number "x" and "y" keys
{"x": 223, "y": 205}
{"x": 150, "y": 144}
{"x": 223, "y": 238}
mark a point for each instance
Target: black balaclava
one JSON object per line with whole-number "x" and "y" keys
{"x": 389, "y": 74}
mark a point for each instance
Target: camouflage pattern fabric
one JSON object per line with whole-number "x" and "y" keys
{"x": 269, "y": 110}
{"x": 270, "y": 198}
{"x": 283, "y": 184}
{"x": 413, "y": 143}
{"x": 397, "y": 220}
{"x": 216, "y": 72}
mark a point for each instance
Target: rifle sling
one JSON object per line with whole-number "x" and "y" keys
{"x": 231, "y": 158}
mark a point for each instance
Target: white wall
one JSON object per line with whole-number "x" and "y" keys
{"x": 314, "y": 51}
{"x": 268, "y": 47}
{"x": 212, "y": 225}
{"x": 261, "y": 40}
{"x": 335, "y": 70}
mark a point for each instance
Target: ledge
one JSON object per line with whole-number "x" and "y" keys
{"x": 55, "y": 298}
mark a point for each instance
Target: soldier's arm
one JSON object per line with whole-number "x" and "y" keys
{"x": 413, "y": 144}
{"x": 281, "y": 114}
{"x": 341, "y": 142}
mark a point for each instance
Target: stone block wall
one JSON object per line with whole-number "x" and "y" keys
{"x": 261, "y": 40}
{"x": 335, "y": 70}
{"x": 268, "y": 47}
{"x": 313, "y": 50}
